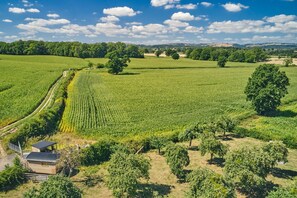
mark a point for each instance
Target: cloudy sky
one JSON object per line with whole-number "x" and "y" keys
{"x": 150, "y": 21}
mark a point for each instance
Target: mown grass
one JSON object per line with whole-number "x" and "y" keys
{"x": 25, "y": 80}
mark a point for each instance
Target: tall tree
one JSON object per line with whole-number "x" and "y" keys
{"x": 266, "y": 87}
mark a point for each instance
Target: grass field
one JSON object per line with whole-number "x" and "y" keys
{"x": 25, "y": 80}
{"x": 151, "y": 98}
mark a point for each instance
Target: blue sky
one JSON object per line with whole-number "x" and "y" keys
{"x": 149, "y": 21}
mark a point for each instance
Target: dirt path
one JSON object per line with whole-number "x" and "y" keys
{"x": 11, "y": 128}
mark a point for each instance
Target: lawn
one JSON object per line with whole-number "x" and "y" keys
{"x": 25, "y": 80}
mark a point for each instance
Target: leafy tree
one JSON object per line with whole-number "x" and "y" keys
{"x": 158, "y": 53}
{"x": 55, "y": 186}
{"x": 69, "y": 160}
{"x": 205, "y": 183}
{"x": 190, "y": 134}
{"x": 170, "y": 52}
{"x": 222, "y": 60}
{"x": 116, "y": 65}
{"x": 250, "y": 57}
{"x": 209, "y": 144}
{"x": 90, "y": 65}
{"x": 266, "y": 87}
{"x": 158, "y": 143}
{"x": 195, "y": 54}
{"x": 237, "y": 56}
{"x": 288, "y": 61}
{"x": 225, "y": 124}
{"x": 177, "y": 157}
{"x": 125, "y": 170}
{"x": 277, "y": 152}
{"x": 205, "y": 54}
{"x": 247, "y": 168}
{"x": 175, "y": 56}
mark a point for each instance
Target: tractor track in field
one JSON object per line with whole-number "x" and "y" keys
{"x": 12, "y": 127}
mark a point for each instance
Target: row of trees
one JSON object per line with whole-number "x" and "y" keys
{"x": 70, "y": 49}
{"x": 231, "y": 54}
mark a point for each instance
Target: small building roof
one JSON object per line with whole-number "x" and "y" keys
{"x": 43, "y": 157}
{"x": 43, "y": 144}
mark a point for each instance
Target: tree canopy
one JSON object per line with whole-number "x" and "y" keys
{"x": 125, "y": 170}
{"x": 116, "y": 64}
{"x": 266, "y": 87}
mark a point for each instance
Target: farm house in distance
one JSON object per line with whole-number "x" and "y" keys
{"x": 43, "y": 158}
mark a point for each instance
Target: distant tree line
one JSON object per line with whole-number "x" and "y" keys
{"x": 282, "y": 52}
{"x": 250, "y": 55}
{"x": 70, "y": 49}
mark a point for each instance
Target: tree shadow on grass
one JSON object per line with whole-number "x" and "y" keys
{"x": 193, "y": 148}
{"x": 261, "y": 192}
{"x": 128, "y": 73}
{"x": 153, "y": 190}
{"x": 217, "y": 161}
{"x": 282, "y": 173}
{"x": 285, "y": 114}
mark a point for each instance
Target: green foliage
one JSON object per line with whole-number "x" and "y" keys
{"x": 55, "y": 186}
{"x": 100, "y": 65}
{"x": 116, "y": 65}
{"x": 12, "y": 176}
{"x": 97, "y": 153}
{"x": 225, "y": 124}
{"x": 170, "y": 52}
{"x": 277, "y": 151}
{"x": 158, "y": 53}
{"x": 288, "y": 192}
{"x": 222, "y": 60}
{"x": 175, "y": 56}
{"x": 288, "y": 61}
{"x": 266, "y": 87}
{"x": 247, "y": 168}
{"x": 177, "y": 157}
{"x": 71, "y": 49}
{"x": 205, "y": 183}
{"x": 158, "y": 142}
{"x": 125, "y": 170}
{"x": 190, "y": 134}
{"x": 209, "y": 144}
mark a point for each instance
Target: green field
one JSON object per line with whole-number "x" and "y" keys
{"x": 25, "y": 80}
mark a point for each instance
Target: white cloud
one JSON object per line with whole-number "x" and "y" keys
{"x": 192, "y": 29}
{"x": 33, "y": 10}
{"x": 280, "y": 18}
{"x": 120, "y": 11}
{"x": 175, "y": 23}
{"x": 182, "y": 16}
{"x": 189, "y": 6}
{"x": 206, "y": 4}
{"x": 110, "y": 19}
{"x": 7, "y": 20}
{"x": 169, "y": 6}
{"x": 17, "y": 10}
{"x": 53, "y": 15}
{"x": 149, "y": 29}
{"x": 11, "y": 37}
{"x": 158, "y": 3}
{"x": 280, "y": 24}
{"x": 232, "y": 7}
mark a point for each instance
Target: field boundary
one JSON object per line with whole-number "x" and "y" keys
{"x": 11, "y": 128}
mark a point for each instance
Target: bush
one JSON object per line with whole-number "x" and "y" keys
{"x": 175, "y": 56}
{"x": 177, "y": 157}
{"x": 12, "y": 176}
{"x": 100, "y": 65}
{"x": 55, "y": 186}
{"x": 208, "y": 184}
{"x": 97, "y": 153}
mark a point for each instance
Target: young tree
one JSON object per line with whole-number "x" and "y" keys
{"x": 288, "y": 61}
{"x": 158, "y": 143}
{"x": 69, "y": 160}
{"x": 209, "y": 144}
{"x": 125, "y": 170}
{"x": 190, "y": 134}
{"x": 158, "y": 53}
{"x": 90, "y": 65}
{"x": 55, "y": 186}
{"x": 266, "y": 87}
{"x": 222, "y": 60}
{"x": 169, "y": 52}
{"x": 177, "y": 157}
{"x": 116, "y": 65}
{"x": 175, "y": 56}
{"x": 277, "y": 152}
{"x": 208, "y": 184}
{"x": 225, "y": 124}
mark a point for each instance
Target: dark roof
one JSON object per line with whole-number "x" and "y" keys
{"x": 43, "y": 144}
{"x": 42, "y": 157}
